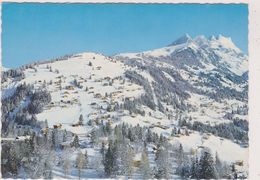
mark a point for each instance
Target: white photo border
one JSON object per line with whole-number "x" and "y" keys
{"x": 254, "y": 63}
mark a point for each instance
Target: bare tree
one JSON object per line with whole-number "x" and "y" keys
{"x": 66, "y": 163}
{"x": 66, "y": 167}
{"x": 80, "y": 162}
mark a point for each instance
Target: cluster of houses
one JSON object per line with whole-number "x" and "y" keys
{"x": 100, "y": 108}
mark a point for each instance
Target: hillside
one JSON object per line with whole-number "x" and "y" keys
{"x": 191, "y": 95}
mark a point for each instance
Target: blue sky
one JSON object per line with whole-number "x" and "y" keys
{"x": 32, "y": 31}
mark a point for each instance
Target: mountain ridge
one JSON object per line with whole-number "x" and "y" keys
{"x": 220, "y": 49}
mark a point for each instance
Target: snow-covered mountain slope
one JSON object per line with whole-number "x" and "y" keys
{"x": 220, "y": 51}
{"x": 100, "y": 75}
{"x": 198, "y": 86}
{"x": 213, "y": 67}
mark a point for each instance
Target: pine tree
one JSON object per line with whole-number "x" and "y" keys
{"x": 32, "y": 143}
{"x": 13, "y": 158}
{"x": 75, "y": 142}
{"x": 234, "y": 172}
{"x": 130, "y": 135}
{"x": 195, "y": 168}
{"x": 117, "y": 133}
{"x": 53, "y": 139}
{"x": 219, "y": 166}
{"x": 94, "y": 137}
{"x": 124, "y": 130}
{"x": 145, "y": 166}
{"x": 180, "y": 156}
{"x": 108, "y": 128}
{"x": 81, "y": 119}
{"x": 162, "y": 163}
{"x": 139, "y": 133}
{"x": 130, "y": 155}
{"x": 187, "y": 132}
{"x": 75, "y": 82}
{"x": 115, "y": 155}
{"x": 90, "y": 123}
{"x": 149, "y": 136}
{"x": 86, "y": 159}
{"x": 182, "y": 163}
{"x": 103, "y": 151}
{"x": 108, "y": 163}
{"x": 162, "y": 140}
{"x": 155, "y": 138}
{"x": 173, "y": 132}
{"x": 125, "y": 159}
{"x": 207, "y": 169}
{"x": 64, "y": 138}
